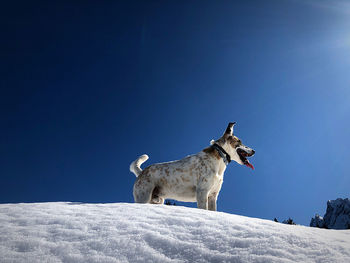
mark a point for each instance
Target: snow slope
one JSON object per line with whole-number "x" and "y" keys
{"x": 73, "y": 232}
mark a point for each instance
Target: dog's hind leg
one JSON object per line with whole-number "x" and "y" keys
{"x": 142, "y": 191}
{"x": 156, "y": 199}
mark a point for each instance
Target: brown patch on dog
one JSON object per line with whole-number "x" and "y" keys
{"x": 138, "y": 183}
{"x": 163, "y": 182}
{"x": 234, "y": 141}
{"x": 210, "y": 150}
{"x": 185, "y": 179}
{"x": 147, "y": 170}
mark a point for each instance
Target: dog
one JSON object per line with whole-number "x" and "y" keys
{"x": 195, "y": 178}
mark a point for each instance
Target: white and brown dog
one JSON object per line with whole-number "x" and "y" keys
{"x": 197, "y": 177}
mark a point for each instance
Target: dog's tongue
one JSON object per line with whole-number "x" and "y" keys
{"x": 248, "y": 164}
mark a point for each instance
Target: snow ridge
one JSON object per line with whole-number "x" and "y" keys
{"x": 120, "y": 232}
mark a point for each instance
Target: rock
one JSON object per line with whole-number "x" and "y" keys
{"x": 317, "y": 221}
{"x": 337, "y": 215}
{"x": 289, "y": 221}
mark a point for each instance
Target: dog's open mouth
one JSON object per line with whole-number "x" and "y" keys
{"x": 243, "y": 156}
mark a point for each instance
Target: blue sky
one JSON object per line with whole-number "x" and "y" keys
{"x": 88, "y": 87}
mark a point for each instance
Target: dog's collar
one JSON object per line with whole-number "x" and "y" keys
{"x": 224, "y": 155}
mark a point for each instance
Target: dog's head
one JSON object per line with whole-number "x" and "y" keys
{"x": 234, "y": 147}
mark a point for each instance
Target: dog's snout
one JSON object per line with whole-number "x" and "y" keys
{"x": 253, "y": 152}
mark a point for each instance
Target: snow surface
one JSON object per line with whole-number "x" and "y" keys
{"x": 74, "y": 232}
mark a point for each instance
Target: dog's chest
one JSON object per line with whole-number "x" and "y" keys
{"x": 217, "y": 181}
{"x": 211, "y": 172}
{"x": 211, "y": 181}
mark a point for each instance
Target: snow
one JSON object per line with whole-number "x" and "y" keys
{"x": 120, "y": 232}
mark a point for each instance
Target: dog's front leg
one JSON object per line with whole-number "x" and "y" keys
{"x": 202, "y": 199}
{"x": 212, "y": 202}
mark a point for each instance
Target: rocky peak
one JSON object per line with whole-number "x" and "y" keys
{"x": 337, "y": 215}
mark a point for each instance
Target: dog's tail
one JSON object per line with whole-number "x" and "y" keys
{"x": 135, "y": 165}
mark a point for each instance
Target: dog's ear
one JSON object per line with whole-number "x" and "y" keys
{"x": 229, "y": 129}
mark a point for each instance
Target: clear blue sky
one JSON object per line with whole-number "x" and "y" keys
{"x": 86, "y": 87}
